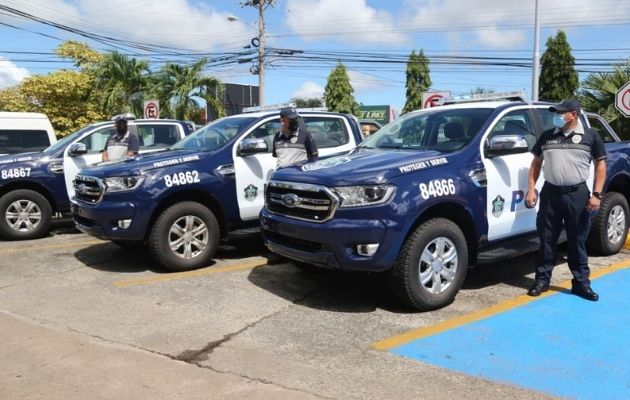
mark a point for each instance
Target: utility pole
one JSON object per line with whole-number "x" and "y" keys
{"x": 261, "y": 5}
{"x": 536, "y": 63}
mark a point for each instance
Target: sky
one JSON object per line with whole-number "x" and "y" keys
{"x": 470, "y": 44}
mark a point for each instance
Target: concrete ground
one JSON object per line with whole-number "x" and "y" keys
{"x": 82, "y": 318}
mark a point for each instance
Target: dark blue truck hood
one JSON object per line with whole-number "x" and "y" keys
{"x": 361, "y": 166}
{"x": 142, "y": 163}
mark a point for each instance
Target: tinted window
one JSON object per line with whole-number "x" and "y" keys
{"x": 157, "y": 135}
{"x": 326, "y": 131}
{"x": 516, "y": 123}
{"x": 603, "y": 131}
{"x": 215, "y": 134}
{"x": 95, "y": 142}
{"x": 435, "y": 129}
{"x": 22, "y": 141}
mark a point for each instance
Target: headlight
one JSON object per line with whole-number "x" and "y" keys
{"x": 122, "y": 183}
{"x": 356, "y": 196}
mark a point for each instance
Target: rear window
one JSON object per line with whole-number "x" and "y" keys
{"x": 22, "y": 141}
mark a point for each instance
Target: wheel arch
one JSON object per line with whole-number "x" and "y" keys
{"x": 29, "y": 185}
{"x": 620, "y": 183}
{"x": 459, "y": 215}
{"x": 198, "y": 196}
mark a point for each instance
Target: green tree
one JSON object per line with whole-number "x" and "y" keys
{"x": 67, "y": 97}
{"x": 418, "y": 80}
{"x": 181, "y": 87}
{"x": 338, "y": 92}
{"x": 558, "y": 78}
{"x": 311, "y": 102}
{"x": 122, "y": 81}
{"x": 598, "y": 92}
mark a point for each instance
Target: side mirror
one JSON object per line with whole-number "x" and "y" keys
{"x": 76, "y": 149}
{"x": 501, "y": 145}
{"x": 252, "y": 146}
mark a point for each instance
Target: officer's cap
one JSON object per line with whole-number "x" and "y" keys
{"x": 289, "y": 112}
{"x": 565, "y": 106}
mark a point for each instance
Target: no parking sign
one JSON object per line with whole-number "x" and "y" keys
{"x": 622, "y": 100}
{"x": 152, "y": 109}
{"x": 431, "y": 99}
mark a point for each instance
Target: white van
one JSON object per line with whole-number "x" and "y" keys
{"x": 22, "y": 132}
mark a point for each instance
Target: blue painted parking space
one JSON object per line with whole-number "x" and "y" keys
{"x": 558, "y": 344}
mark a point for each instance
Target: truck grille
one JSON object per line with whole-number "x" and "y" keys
{"x": 301, "y": 201}
{"x": 88, "y": 189}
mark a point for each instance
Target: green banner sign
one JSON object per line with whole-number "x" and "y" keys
{"x": 378, "y": 113}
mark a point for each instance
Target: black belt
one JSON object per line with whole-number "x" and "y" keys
{"x": 565, "y": 189}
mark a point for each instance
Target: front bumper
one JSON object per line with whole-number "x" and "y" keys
{"x": 101, "y": 220}
{"x": 333, "y": 244}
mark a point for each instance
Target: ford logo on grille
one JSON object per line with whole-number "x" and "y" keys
{"x": 290, "y": 200}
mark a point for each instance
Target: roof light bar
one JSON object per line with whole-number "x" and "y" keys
{"x": 517, "y": 95}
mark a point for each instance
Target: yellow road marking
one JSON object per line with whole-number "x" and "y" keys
{"x": 257, "y": 262}
{"x": 395, "y": 341}
{"x": 49, "y": 247}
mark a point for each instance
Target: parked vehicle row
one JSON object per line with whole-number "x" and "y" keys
{"x": 180, "y": 203}
{"x": 34, "y": 186}
{"x": 424, "y": 198}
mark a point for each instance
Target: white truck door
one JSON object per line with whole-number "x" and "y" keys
{"x": 507, "y": 180}
{"x": 332, "y": 134}
{"x": 95, "y": 142}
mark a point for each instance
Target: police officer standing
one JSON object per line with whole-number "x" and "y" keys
{"x": 565, "y": 199}
{"x": 121, "y": 143}
{"x": 293, "y": 143}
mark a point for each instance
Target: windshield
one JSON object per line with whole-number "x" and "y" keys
{"x": 65, "y": 140}
{"x": 441, "y": 129}
{"x": 215, "y": 134}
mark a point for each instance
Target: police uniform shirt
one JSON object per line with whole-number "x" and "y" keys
{"x": 297, "y": 147}
{"x": 118, "y": 146}
{"x": 567, "y": 156}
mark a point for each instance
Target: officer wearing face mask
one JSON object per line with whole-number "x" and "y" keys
{"x": 565, "y": 199}
{"x": 122, "y": 143}
{"x": 293, "y": 143}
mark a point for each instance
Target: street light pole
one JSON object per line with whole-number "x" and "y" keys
{"x": 261, "y": 54}
{"x": 536, "y": 53}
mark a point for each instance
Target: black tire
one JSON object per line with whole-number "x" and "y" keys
{"x": 609, "y": 228}
{"x": 24, "y": 214}
{"x": 173, "y": 226}
{"x": 441, "y": 281}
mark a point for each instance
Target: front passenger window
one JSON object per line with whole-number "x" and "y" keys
{"x": 516, "y": 123}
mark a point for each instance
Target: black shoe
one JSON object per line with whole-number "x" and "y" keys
{"x": 537, "y": 289}
{"x": 585, "y": 292}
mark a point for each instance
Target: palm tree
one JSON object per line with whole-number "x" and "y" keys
{"x": 598, "y": 93}
{"x": 181, "y": 87}
{"x": 123, "y": 81}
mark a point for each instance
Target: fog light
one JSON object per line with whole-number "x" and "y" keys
{"x": 367, "y": 250}
{"x": 124, "y": 223}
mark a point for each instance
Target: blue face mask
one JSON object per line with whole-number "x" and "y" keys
{"x": 558, "y": 120}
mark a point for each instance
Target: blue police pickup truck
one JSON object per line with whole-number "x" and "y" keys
{"x": 181, "y": 202}
{"x": 36, "y": 186}
{"x": 430, "y": 194}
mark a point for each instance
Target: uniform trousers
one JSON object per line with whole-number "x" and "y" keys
{"x": 563, "y": 206}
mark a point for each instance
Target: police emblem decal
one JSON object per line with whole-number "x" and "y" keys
{"x": 251, "y": 192}
{"x": 497, "y": 206}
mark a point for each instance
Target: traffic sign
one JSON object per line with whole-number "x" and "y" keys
{"x": 431, "y": 99}
{"x": 622, "y": 100}
{"x": 152, "y": 109}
